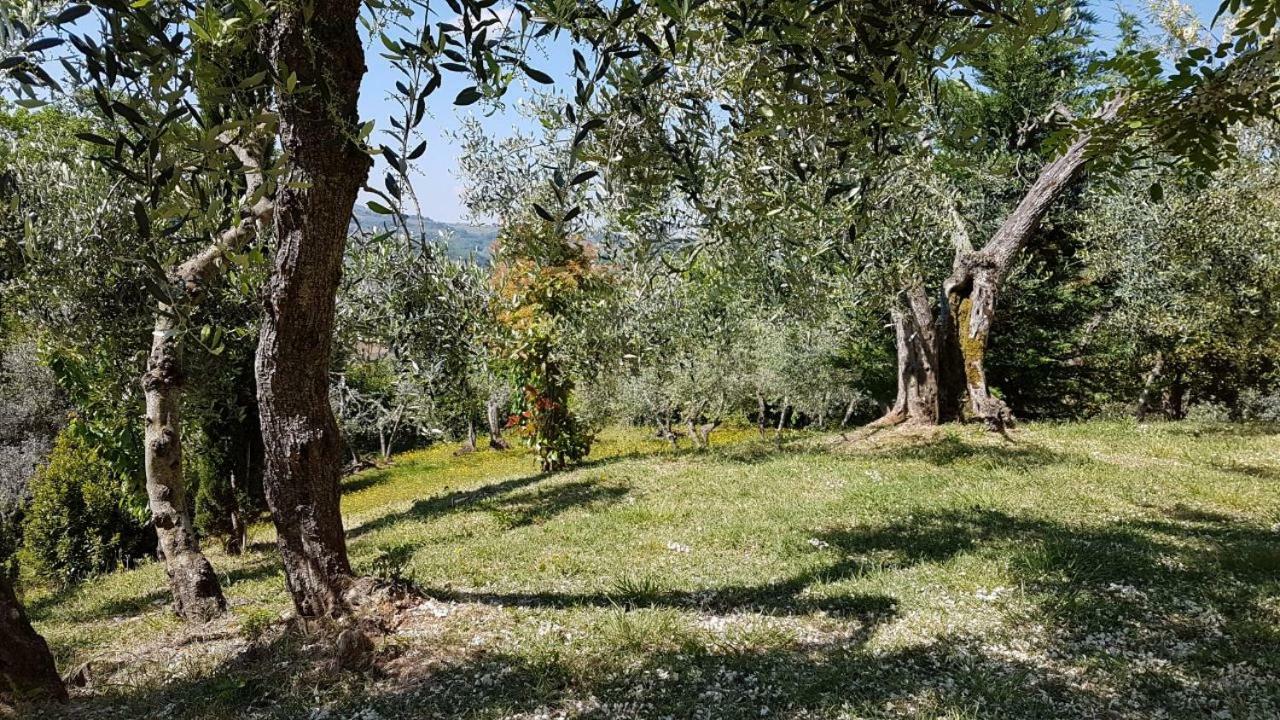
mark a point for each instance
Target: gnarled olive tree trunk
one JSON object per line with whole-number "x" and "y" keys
{"x": 26, "y": 665}
{"x": 942, "y": 350}
{"x": 192, "y": 581}
{"x": 917, "y": 338}
{"x": 978, "y": 275}
{"x": 325, "y": 169}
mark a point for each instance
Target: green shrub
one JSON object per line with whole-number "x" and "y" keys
{"x": 10, "y": 539}
{"x": 214, "y": 497}
{"x": 225, "y": 477}
{"x": 76, "y": 525}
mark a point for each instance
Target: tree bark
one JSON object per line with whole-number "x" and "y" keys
{"x": 664, "y": 429}
{"x": 325, "y": 169}
{"x": 192, "y": 581}
{"x": 1150, "y": 385}
{"x": 762, "y": 408}
{"x": 919, "y": 350}
{"x": 469, "y": 445}
{"x": 848, "y": 413}
{"x": 196, "y": 593}
{"x": 700, "y": 432}
{"x": 238, "y": 537}
{"x": 495, "y": 425}
{"x": 26, "y": 665}
{"x": 1173, "y": 400}
{"x": 784, "y": 419}
{"x": 977, "y": 276}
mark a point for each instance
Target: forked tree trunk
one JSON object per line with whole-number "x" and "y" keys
{"x": 26, "y": 665}
{"x": 973, "y": 289}
{"x": 700, "y": 432}
{"x": 192, "y": 581}
{"x": 971, "y": 307}
{"x": 325, "y": 169}
{"x": 496, "y": 441}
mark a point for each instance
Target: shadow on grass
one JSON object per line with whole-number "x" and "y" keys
{"x": 943, "y": 451}
{"x": 365, "y": 480}
{"x": 1251, "y": 471}
{"x": 779, "y": 598}
{"x": 1188, "y": 596}
{"x": 500, "y": 498}
{"x": 43, "y": 608}
{"x": 532, "y": 508}
{"x": 280, "y": 680}
{"x": 951, "y": 450}
{"x": 1169, "y": 616}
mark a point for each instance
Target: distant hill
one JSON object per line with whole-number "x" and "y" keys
{"x": 463, "y": 240}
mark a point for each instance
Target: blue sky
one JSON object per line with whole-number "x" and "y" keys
{"x": 437, "y": 186}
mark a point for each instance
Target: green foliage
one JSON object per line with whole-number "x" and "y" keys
{"x": 77, "y": 524}
{"x": 541, "y": 283}
{"x": 93, "y": 336}
{"x": 214, "y": 502}
{"x": 255, "y": 623}
{"x": 11, "y": 518}
{"x": 1193, "y": 277}
{"x": 412, "y": 359}
{"x": 223, "y": 466}
{"x": 391, "y": 563}
{"x": 90, "y": 334}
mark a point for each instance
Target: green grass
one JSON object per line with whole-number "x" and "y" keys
{"x": 1082, "y": 570}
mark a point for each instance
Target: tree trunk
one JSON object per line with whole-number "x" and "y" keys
{"x": 1174, "y": 397}
{"x": 664, "y": 430}
{"x": 495, "y": 426}
{"x": 196, "y": 593}
{"x": 848, "y": 413}
{"x": 762, "y": 408}
{"x": 323, "y": 174}
{"x": 26, "y": 665}
{"x": 973, "y": 289}
{"x": 700, "y": 432}
{"x": 239, "y": 534}
{"x": 693, "y": 432}
{"x": 971, "y": 308}
{"x": 469, "y": 445}
{"x": 1150, "y": 384}
{"x": 917, "y": 338}
{"x": 783, "y": 419}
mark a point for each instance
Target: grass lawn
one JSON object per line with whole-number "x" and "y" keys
{"x": 1093, "y": 570}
